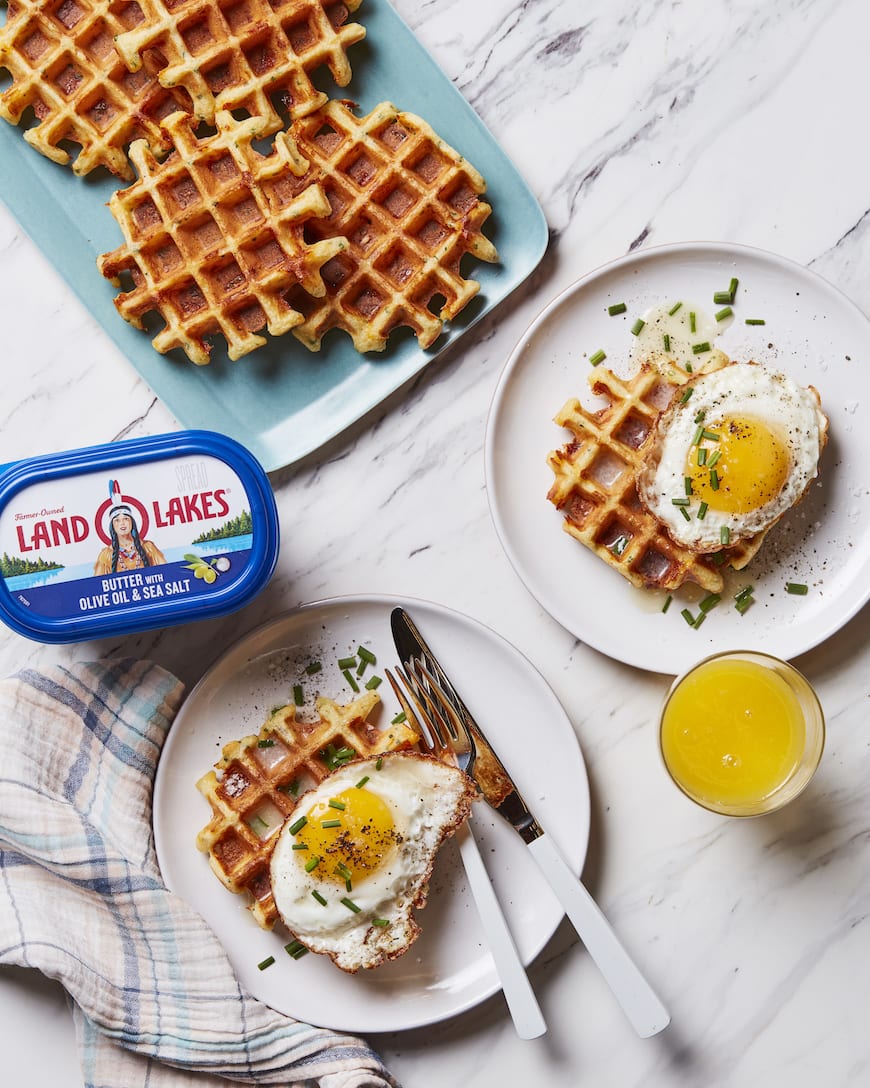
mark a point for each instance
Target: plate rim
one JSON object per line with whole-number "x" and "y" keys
{"x": 726, "y": 250}
{"x": 490, "y": 984}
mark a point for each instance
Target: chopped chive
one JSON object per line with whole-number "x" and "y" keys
{"x": 667, "y": 342}
{"x": 345, "y": 753}
{"x": 680, "y": 501}
{"x": 755, "y": 321}
{"x": 689, "y": 368}
{"x": 797, "y": 588}
{"x": 723, "y": 313}
{"x": 366, "y": 655}
{"x": 732, "y": 288}
{"x": 380, "y": 922}
{"x": 724, "y": 531}
{"x": 699, "y": 418}
{"x": 699, "y": 434}
{"x": 702, "y": 511}
{"x": 674, "y": 308}
{"x": 711, "y": 436}
{"x": 267, "y": 962}
{"x": 312, "y": 864}
{"x": 326, "y": 824}
{"x": 399, "y": 718}
{"x": 268, "y": 743}
{"x": 259, "y": 821}
{"x": 347, "y": 662}
{"x": 700, "y": 619}
{"x": 699, "y": 349}
{"x": 617, "y": 308}
{"x": 363, "y": 665}
{"x": 637, "y": 326}
{"x": 296, "y": 949}
{"x": 685, "y": 513}
{"x": 619, "y": 545}
{"x": 597, "y": 357}
{"x": 745, "y": 592}
{"x": 298, "y": 695}
{"x": 340, "y": 805}
{"x": 710, "y": 601}
{"x": 347, "y": 675}
{"x": 688, "y": 617}
{"x": 667, "y": 603}
{"x": 296, "y": 827}
{"x": 723, "y": 298}
{"x": 686, "y": 394}
{"x": 343, "y": 871}
{"x": 702, "y": 456}
{"x": 687, "y": 484}
{"x": 362, "y": 782}
{"x": 299, "y": 846}
{"x": 714, "y": 457}
{"x": 349, "y": 903}
{"x": 320, "y": 899}
{"x": 373, "y": 682}
{"x": 714, "y": 479}
{"x": 742, "y": 605}
{"x": 692, "y": 322}
{"x": 314, "y": 667}
{"x": 379, "y": 763}
{"x": 290, "y": 787}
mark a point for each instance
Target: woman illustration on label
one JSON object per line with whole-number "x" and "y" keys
{"x": 127, "y": 551}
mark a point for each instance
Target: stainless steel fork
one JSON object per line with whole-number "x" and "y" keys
{"x": 431, "y": 724}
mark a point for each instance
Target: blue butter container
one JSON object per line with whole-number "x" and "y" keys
{"x": 133, "y": 535}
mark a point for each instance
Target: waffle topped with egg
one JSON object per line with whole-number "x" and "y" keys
{"x": 683, "y": 473}
{"x": 256, "y": 783}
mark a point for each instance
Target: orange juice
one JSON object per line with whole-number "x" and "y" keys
{"x": 735, "y": 734}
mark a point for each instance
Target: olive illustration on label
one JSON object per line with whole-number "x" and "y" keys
{"x": 206, "y": 569}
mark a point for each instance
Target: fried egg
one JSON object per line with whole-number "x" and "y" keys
{"x": 354, "y": 858}
{"x": 729, "y": 459}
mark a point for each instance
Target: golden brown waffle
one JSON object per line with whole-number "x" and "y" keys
{"x": 259, "y": 778}
{"x": 595, "y": 483}
{"x": 410, "y": 208}
{"x": 205, "y": 246}
{"x": 63, "y": 64}
{"x": 247, "y": 55}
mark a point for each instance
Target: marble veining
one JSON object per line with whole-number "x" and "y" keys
{"x": 636, "y": 123}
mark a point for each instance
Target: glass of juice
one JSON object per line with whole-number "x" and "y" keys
{"x": 741, "y": 733}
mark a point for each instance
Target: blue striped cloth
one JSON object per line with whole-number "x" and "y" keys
{"x": 155, "y": 1000}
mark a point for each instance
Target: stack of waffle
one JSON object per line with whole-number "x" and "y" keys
{"x": 338, "y": 221}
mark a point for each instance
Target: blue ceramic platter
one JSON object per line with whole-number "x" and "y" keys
{"x": 283, "y": 401}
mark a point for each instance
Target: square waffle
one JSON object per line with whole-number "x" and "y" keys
{"x": 64, "y": 66}
{"x": 205, "y": 246}
{"x": 254, "y": 787}
{"x": 246, "y": 55}
{"x": 410, "y": 208}
{"x": 595, "y": 483}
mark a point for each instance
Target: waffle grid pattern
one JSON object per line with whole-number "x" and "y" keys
{"x": 204, "y": 246}
{"x": 410, "y": 208}
{"x": 64, "y": 66}
{"x": 250, "y": 793}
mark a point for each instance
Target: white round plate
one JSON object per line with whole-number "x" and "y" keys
{"x": 449, "y": 968}
{"x": 814, "y": 334}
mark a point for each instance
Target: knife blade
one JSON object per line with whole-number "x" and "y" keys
{"x": 638, "y": 1000}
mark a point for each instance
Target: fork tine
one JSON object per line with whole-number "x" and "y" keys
{"x": 456, "y": 726}
{"x": 435, "y": 710}
{"x": 430, "y": 732}
{"x": 406, "y": 708}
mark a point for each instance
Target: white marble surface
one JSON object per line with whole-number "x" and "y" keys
{"x": 636, "y": 122}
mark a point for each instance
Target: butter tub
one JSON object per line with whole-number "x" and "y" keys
{"x": 134, "y": 535}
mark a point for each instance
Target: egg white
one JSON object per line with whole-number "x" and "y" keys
{"x": 739, "y": 390}
{"x": 428, "y": 800}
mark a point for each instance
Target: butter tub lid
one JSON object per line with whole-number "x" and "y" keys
{"x": 133, "y": 535}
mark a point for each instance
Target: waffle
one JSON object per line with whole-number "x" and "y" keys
{"x": 252, "y": 792}
{"x": 410, "y": 208}
{"x": 64, "y": 67}
{"x": 246, "y": 55}
{"x": 595, "y": 484}
{"x": 205, "y": 247}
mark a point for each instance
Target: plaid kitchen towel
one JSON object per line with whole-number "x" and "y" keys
{"x": 156, "y": 1002}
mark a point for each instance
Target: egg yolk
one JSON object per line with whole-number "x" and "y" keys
{"x": 358, "y": 837}
{"x": 743, "y": 470}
